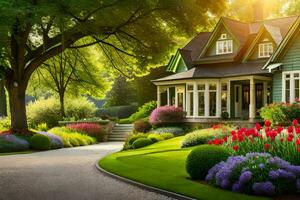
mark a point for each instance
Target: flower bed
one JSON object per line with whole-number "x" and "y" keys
{"x": 284, "y": 143}
{"x": 256, "y": 173}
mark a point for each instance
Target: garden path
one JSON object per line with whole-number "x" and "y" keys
{"x": 65, "y": 174}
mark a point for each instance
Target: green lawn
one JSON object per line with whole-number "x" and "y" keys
{"x": 15, "y": 153}
{"x": 162, "y": 165}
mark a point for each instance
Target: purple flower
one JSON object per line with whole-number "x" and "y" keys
{"x": 279, "y": 162}
{"x": 254, "y": 154}
{"x": 212, "y": 172}
{"x": 294, "y": 169}
{"x": 280, "y": 173}
{"x": 245, "y": 177}
{"x": 298, "y": 184}
{"x": 264, "y": 188}
{"x": 225, "y": 184}
{"x": 56, "y": 141}
{"x": 14, "y": 143}
{"x": 261, "y": 166}
{"x": 237, "y": 187}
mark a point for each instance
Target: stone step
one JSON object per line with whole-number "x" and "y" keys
{"x": 123, "y": 136}
{"x": 116, "y": 139}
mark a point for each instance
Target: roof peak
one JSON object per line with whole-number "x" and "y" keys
{"x": 260, "y": 21}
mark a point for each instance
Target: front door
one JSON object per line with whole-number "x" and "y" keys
{"x": 238, "y": 101}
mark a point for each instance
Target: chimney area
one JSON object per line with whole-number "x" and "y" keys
{"x": 258, "y": 11}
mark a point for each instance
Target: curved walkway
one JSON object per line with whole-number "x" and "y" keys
{"x": 65, "y": 174}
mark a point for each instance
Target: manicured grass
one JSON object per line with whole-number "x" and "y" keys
{"x": 16, "y": 153}
{"x": 162, "y": 165}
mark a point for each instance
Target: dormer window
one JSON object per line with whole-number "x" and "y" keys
{"x": 224, "y": 47}
{"x": 265, "y": 50}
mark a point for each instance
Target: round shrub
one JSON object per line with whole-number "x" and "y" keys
{"x": 131, "y": 138}
{"x": 155, "y": 137}
{"x": 80, "y": 108}
{"x": 141, "y": 142}
{"x": 166, "y": 115}
{"x": 169, "y": 129}
{"x": 40, "y": 142}
{"x": 56, "y": 141}
{"x": 166, "y": 136}
{"x": 12, "y": 143}
{"x": 204, "y": 157}
{"x": 256, "y": 173}
{"x": 142, "y": 126}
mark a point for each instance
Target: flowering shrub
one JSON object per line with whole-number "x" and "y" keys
{"x": 166, "y": 115}
{"x": 256, "y": 173}
{"x": 91, "y": 129}
{"x": 203, "y": 136}
{"x": 281, "y": 113}
{"x": 10, "y": 143}
{"x": 169, "y": 129}
{"x": 284, "y": 143}
{"x": 56, "y": 141}
{"x": 142, "y": 126}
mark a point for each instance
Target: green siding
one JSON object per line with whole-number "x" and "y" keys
{"x": 177, "y": 64}
{"x": 277, "y": 87}
{"x": 265, "y": 35}
{"x": 291, "y": 62}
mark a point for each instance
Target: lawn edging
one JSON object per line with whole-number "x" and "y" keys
{"x": 141, "y": 185}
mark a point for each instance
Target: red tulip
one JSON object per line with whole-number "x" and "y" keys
{"x": 267, "y": 146}
{"x": 235, "y": 147}
{"x": 298, "y": 141}
{"x": 298, "y": 149}
{"x": 267, "y": 123}
{"x": 297, "y": 129}
{"x": 290, "y": 129}
{"x": 267, "y": 129}
{"x": 258, "y": 126}
{"x": 225, "y": 138}
{"x": 290, "y": 138}
{"x": 295, "y": 122}
{"x": 279, "y": 129}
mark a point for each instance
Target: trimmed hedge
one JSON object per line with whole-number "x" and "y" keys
{"x": 40, "y": 142}
{"x": 155, "y": 137}
{"x": 204, "y": 157}
{"x": 117, "y": 111}
{"x": 141, "y": 142}
{"x": 142, "y": 126}
{"x": 169, "y": 129}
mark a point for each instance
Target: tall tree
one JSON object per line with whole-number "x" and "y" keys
{"x": 3, "y": 106}
{"x": 33, "y": 31}
{"x": 70, "y": 72}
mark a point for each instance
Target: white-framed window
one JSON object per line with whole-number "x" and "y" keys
{"x": 212, "y": 99}
{"x": 265, "y": 50}
{"x": 201, "y": 99}
{"x": 291, "y": 86}
{"x": 224, "y": 47}
{"x": 224, "y": 97}
{"x": 190, "y": 99}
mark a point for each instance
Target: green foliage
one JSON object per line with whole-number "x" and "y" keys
{"x": 169, "y": 129}
{"x": 40, "y": 142}
{"x": 4, "y": 124}
{"x": 203, "y": 136}
{"x": 72, "y": 138}
{"x": 131, "y": 138}
{"x": 13, "y": 143}
{"x": 141, "y": 142}
{"x": 281, "y": 113}
{"x": 42, "y": 127}
{"x": 48, "y": 111}
{"x": 79, "y": 108}
{"x": 155, "y": 137}
{"x": 116, "y": 111}
{"x": 143, "y": 112}
{"x": 166, "y": 136}
{"x": 204, "y": 157}
{"x": 142, "y": 126}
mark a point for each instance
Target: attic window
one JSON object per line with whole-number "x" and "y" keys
{"x": 223, "y": 36}
{"x": 265, "y": 50}
{"x": 224, "y": 47}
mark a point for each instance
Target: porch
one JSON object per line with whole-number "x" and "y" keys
{"x": 241, "y": 97}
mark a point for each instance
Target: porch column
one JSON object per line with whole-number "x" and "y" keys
{"x": 158, "y": 96}
{"x": 252, "y": 106}
{"x": 168, "y": 96}
{"x": 292, "y": 89}
{"x": 228, "y": 98}
{"x": 265, "y": 92}
{"x": 219, "y": 99}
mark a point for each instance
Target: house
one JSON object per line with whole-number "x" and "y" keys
{"x": 235, "y": 69}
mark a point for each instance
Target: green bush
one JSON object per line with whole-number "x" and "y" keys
{"x": 203, "y": 136}
{"x": 204, "y": 157}
{"x": 155, "y": 137}
{"x": 40, "y": 142}
{"x": 169, "y": 129}
{"x": 80, "y": 108}
{"x": 166, "y": 136}
{"x": 142, "y": 126}
{"x": 131, "y": 138}
{"x": 42, "y": 127}
{"x": 143, "y": 112}
{"x": 13, "y": 143}
{"x": 141, "y": 142}
{"x": 4, "y": 124}
{"x": 48, "y": 111}
{"x": 116, "y": 111}
{"x": 72, "y": 138}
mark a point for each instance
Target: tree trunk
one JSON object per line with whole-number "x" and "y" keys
{"x": 3, "y": 105}
{"x": 17, "y": 106}
{"x": 62, "y": 103}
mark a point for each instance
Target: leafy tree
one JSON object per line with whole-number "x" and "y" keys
{"x": 70, "y": 72}
{"x": 122, "y": 93}
{"x": 33, "y": 31}
{"x": 3, "y": 106}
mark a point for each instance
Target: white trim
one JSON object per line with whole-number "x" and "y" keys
{"x": 263, "y": 50}
{"x": 158, "y": 96}
{"x": 168, "y": 96}
{"x": 195, "y": 107}
{"x": 292, "y": 85}
{"x": 228, "y": 98}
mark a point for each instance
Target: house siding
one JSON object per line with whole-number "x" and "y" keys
{"x": 291, "y": 62}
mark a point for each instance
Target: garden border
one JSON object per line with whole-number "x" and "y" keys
{"x": 143, "y": 186}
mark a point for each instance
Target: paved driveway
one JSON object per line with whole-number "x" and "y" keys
{"x": 64, "y": 174}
